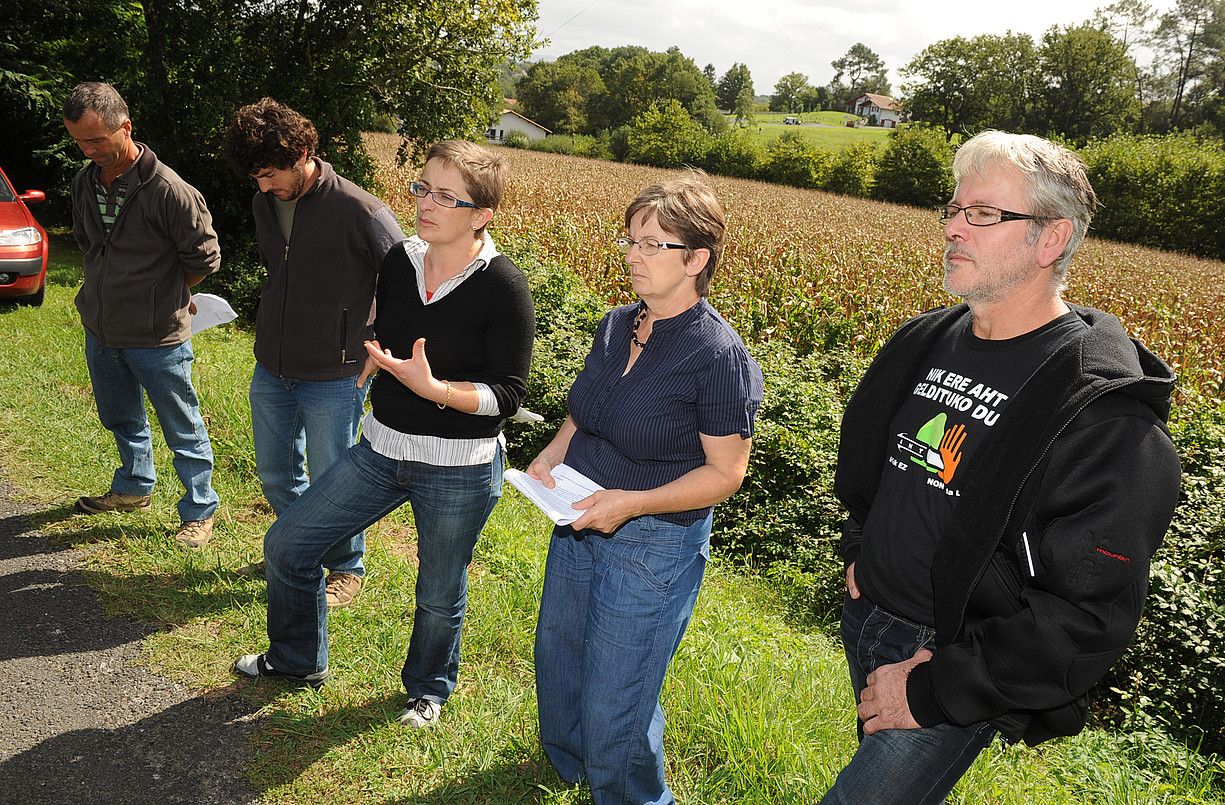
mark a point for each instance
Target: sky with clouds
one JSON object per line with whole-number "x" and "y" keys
{"x": 774, "y": 37}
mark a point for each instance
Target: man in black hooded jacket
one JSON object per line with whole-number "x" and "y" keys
{"x": 1008, "y": 476}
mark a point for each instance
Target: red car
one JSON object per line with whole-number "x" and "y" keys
{"x": 23, "y": 246}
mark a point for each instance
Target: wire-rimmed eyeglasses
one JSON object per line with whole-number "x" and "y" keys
{"x": 647, "y": 246}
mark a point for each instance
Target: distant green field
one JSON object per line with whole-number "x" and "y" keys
{"x": 831, "y": 138}
{"x": 830, "y": 118}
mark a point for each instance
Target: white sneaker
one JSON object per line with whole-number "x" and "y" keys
{"x": 420, "y": 713}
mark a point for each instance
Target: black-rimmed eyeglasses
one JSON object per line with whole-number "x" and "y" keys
{"x": 646, "y": 246}
{"x": 982, "y": 215}
{"x": 441, "y": 197}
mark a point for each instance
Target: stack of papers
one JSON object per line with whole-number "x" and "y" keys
{"x": 572, "y": 486}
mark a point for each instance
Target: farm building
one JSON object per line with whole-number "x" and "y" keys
{"x": 513, "y": 121}
{"x": 878, "y": 107}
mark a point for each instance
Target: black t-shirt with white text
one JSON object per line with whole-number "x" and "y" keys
{"x": 960, "y": 392}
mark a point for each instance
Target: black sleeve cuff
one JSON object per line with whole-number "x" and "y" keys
{"x": 922, "y": 701}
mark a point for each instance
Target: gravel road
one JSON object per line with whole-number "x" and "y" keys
{"x": 80, "y": 720}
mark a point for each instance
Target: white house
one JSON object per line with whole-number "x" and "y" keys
{"x": 513, "y": 121}
{"x": 881, "y": 106}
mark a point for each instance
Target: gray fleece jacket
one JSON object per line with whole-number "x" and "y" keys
{"x": 135, "y": 293}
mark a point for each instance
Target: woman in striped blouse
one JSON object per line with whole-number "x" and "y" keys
{"x": 661, "y": 416}
{"x": 454, "y": 329}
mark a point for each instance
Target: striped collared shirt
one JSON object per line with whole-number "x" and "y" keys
{"x": 436, "y": 450}
{"x": 110, "y": 201}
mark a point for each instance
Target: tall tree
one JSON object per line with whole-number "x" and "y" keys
{"x": 1088, "y": 88}
{"x": 786, "y": 97}
{"x": 46, "y": 46}
{"x": 1127, "y": 21}
{"x": 863, "y": 71}
{"x": 562, "y": 95}
{"x": 729, "y": 87}
{"x": 634, "y": 78}
{"x": 709, "y": 72}
{"x": 743, "y": 107}
{"x": 967, "y": 85}
{"x": 1187, "y": 42}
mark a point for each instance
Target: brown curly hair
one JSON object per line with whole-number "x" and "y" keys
{"x": 268, "y": 134}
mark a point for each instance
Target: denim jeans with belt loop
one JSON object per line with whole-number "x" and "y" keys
{"x": 301, "y": 424}
{"x": 906, "y": 767}
{"x": 450, "y": 507}
{"x": 121, "y": 377}
{"x": 612, "y": 615}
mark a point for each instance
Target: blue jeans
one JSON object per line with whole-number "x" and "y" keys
{"x": 121, "y": 378}
{"x": 612, "y": 614}
{"x": 450, "y": 507}
{"x": 296, "y": 421}
{"x": 898, "y": 766}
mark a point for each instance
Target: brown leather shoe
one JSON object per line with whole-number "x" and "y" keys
{"x": 112, "y": 502}
{"x": 342, "y": 588}
{"x": 194, "y": 533}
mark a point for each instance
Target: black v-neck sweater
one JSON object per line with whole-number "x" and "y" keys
{"x": 480, "y": 332}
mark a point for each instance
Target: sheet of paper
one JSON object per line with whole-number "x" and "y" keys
{"x": 211, "y": 310}
{"x": 572, "y": 486}
{"x": 524, "y": 415}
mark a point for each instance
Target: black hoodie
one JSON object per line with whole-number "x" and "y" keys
{"x": 1089, "y": 475}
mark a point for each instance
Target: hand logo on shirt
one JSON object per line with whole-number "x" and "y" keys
{"x": 950, "y": 451}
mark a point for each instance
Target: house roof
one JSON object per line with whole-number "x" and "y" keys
{"x": 526, "y": 120}
{"x": 879, "y": 101}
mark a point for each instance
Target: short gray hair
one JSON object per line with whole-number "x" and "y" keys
{"x": 1056, "y": 183}
{"x": 99, "y": 98}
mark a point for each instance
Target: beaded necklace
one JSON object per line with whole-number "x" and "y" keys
{"x": 638, "y": 320}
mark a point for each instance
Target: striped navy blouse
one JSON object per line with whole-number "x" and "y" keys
{"x": 641, "y": 431}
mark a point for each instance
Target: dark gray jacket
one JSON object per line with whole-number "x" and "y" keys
{"x": 317, "y": 306}
{"x": 135, "y": 293}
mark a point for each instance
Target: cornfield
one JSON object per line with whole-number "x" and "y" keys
{"x": 819, "y": 269}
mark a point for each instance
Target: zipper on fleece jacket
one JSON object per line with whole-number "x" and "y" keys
{"x": 344, "y": 341}
{"x": 106, "y": 236}
{"x": 280, "y": 349}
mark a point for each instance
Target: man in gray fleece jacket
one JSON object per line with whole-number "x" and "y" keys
{"x": 147, "y": 237}
{"x": 323, "y": 240}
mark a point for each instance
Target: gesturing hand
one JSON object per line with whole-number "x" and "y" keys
{"x": 413, "y": 372}
{"x": 883, "y": 705}
{"x": 950, "y": 451}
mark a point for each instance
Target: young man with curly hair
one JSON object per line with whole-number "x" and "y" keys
{"x": 322, "y": 239}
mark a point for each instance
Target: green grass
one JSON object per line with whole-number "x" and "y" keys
{"x": 759, "y": 707}
{"x": 827, "y": 117}
{"x": 833, "y": 137}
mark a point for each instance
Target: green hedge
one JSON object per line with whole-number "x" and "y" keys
{"x": 916, "y": 168}
{"x": 1167, "y": 192}
{"x": 1174, "y": 674}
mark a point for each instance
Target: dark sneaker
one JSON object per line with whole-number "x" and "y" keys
{"x": 342, "y": 588}
{"x": 256, "y": 665}
{"x": 420, "y": 713}
{"x": 194, "y": 533}
{"x": 112, "y": 502}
